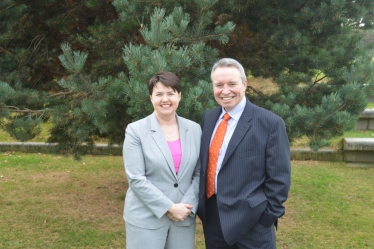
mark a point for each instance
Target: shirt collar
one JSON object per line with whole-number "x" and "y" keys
{"x": 237, "y": 111}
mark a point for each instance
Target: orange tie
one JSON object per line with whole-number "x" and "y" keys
{"x": 213, "y": 154}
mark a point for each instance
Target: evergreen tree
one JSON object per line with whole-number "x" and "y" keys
{"x": 89, "y": 106}
{"x": 30, "y": 40}
{"x": 312, "y": 50}
{"x": 96, "y": 84}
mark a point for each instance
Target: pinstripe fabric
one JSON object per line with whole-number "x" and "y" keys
{"x": 254, "y": 178}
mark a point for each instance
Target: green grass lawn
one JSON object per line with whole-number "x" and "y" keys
{"x": 51, "y": 201}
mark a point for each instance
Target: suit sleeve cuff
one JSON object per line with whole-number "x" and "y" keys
{"x": 267, "y": 220}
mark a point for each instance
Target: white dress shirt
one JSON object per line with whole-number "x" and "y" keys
{"x": 235, "y": 114}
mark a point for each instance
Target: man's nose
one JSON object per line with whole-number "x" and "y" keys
{"x": 226, "y": 89}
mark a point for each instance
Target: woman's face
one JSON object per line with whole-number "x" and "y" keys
{"x": 165, "y": 100}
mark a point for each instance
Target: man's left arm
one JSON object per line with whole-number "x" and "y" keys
{"x": 278, "y": 173}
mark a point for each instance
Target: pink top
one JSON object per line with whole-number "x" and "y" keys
{"x": 176, "y": 153}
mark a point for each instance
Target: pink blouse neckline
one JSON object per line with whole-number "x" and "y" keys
{"x": 176, "y": 153}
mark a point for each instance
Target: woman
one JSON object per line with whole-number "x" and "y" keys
{"x": 161, "y": 156}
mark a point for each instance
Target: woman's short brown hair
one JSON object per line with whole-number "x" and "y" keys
{"x": 168, "y": 79}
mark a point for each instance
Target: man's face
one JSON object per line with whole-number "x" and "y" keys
{"x": 228, "y": 87}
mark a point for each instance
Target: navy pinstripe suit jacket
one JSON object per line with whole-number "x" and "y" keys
{"x": 254, "y": 178}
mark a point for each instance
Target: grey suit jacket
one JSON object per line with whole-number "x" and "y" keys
{"x": 254, "y": 178}
{"x": 153, "y": 184}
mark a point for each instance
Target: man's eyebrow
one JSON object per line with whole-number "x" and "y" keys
{"x": 223, "y": 83}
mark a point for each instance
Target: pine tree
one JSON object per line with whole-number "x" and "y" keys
{"x": 89, "y": 106}
{"x": 84, "y": 65}
{"x": 30, "y": 40}
{"x": 312, "y": 50}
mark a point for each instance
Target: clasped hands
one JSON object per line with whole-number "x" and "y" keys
{"x": 179, "y": 212}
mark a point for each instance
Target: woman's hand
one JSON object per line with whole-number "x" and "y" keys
{"x": 170, "y": 216}
{"x": 179, "y": 211}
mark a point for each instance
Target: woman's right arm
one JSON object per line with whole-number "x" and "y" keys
{"x": 133, "y": 157}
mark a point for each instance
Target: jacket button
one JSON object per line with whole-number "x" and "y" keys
{"x": 175, "y": 185}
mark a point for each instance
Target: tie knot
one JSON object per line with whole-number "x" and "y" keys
{"x": 226, "y": 117}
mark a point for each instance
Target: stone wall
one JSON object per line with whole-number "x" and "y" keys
{"x": 355, "y": 150}
{"x": 366, "y": 120}
{"x": 34, "y": 147}
{"x": 359, "y": 150}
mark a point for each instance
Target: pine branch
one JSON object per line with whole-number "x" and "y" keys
{"x": 77, "y": 5}
{"x": 301, "y": 6}
{"x": 319, "y": 79}
{"x": 195, "y": 39}
{"x": 12, "y": 5}
{"x": 315, "y": 82}
{"x": 134, "y": 59}
{"x": 6, "y": 51}
{"x": 15, "y": 109}
{"x": 39, "y": 77}
{"x": 59, "y": 73}
{"x": 35, "y": 49}
{"x": 256, "y": 91}
{"x": 61, "y": 94}
{"x": 40, "y": 37}
{"x": 340, "y": 108}
{"x": 200, "y": 23}
{"x": 80, "y": 75}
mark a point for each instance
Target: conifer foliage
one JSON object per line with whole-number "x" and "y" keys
{"x": 313, "y": 50}
{"x": 84, "y": 65}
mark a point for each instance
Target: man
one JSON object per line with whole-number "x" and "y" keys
{"x": 245, "y": 171}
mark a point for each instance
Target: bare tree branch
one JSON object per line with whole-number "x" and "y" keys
{"x": 61, "y": 94}
{"x": 15, "y": 109}
{"x": 256, "y": 91}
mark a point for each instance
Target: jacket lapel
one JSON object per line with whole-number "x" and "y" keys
{"x": 160, "y": 140}
{"x": 208, "y": 127}
{"x": 243, "y": 125}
